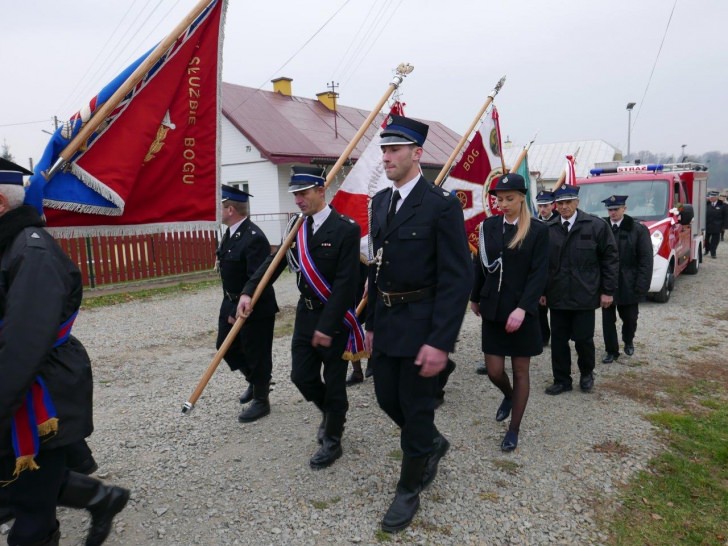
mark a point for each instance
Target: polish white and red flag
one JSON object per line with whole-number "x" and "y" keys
{"x": 473, "y": 175}
{"x": 570, "y": 170}
{"x": 363, "y": 181}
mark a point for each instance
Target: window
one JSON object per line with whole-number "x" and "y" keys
{"x": 248, "y": 148}
{"x": 239, "y": 185}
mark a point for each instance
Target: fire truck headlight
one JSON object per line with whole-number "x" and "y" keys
{"x": 656, "y": 242}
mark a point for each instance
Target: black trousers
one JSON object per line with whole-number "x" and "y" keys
{"x": 251, "y": 351}
{"x": 543, "y": 315}
{"x": 628, "y": 313}
{"x": 711, "y": 242}
{"x": 577, "y": 326}
{"x": 327, "y": 392}
{"x": 409, "y": 400}
{"x": 33, "y": 496}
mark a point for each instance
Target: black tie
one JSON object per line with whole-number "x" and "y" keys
{"x": 565, "y": 225}
{"x": 615, "y": 228}
{"x": 309, "y": 226}
{"x": 393, "y": 206}
{"x": 226, "y": 237}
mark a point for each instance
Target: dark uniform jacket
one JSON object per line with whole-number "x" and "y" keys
{"x": 40, "y": 288}
{"x": 635, "y": 261}
{"x": 525, "y": 271}
{"x": 334, "y": 249}
{"x": 239, "y": 258}
{"x": 425, "y": 246}
{"x": 583, "y": 264}
{"x": 716, "y": 217}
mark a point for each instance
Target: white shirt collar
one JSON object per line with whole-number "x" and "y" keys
{"x": 235, "y": 227}
{"x": 320, "y": 217}
{"x": 405, "y": 189}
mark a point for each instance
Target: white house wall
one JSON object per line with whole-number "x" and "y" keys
{"x": 242, "y": 163}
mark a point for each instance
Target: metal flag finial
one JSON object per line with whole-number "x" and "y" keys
{"x": 402, "y": 71}
{"x": 497, "y": 87}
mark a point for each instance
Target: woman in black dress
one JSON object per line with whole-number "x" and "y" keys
{"x": 510, "y": 275}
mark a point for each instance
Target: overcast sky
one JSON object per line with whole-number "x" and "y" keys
{"x": 572, "y": 66}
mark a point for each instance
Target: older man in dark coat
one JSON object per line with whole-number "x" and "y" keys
{"x": 46, "y": 386}
{"x": 635, "y": 274}
{"x": 583, "y": 265}
{"x": 716, "y": 220}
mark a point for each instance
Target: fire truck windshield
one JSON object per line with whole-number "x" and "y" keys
{"x": 647, "y": 199}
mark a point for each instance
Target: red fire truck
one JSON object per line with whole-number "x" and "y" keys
{"x": 670, "y": 200}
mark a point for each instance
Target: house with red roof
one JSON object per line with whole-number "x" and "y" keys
{"x": 264, "y": 133}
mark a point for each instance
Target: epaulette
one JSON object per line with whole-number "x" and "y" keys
{"x": 440, "y": 191}
{"x": 34, "y": 238}
{"x": 345, "y": 218}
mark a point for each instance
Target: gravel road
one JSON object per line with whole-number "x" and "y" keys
{"x": 206, "y": 479}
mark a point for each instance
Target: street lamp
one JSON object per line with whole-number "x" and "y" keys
{"x": 630, "y": 105}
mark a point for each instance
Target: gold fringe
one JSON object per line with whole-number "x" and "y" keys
{"x": 348, "y": 356}
{"x": 26, "y": 462}
{"x": 48, "y": 427}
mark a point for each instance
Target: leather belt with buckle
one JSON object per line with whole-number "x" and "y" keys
{"x": 395, "y": 298}
{"x": 312, "y": 303}
{"x": 232, "y": 297}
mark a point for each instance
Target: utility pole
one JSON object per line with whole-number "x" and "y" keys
{"x": 55, "y": 122}
{"x": 683, "y": 157}
{"x": 630, "y": 105}
{"x": 333, "y": 95}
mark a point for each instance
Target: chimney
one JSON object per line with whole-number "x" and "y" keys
{"x": 327, "y": 99}
{"x": 282, "y": 85}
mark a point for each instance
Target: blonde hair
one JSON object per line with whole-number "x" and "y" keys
{"x": 524, "y": 225}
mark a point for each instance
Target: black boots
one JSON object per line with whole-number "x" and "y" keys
{"x": 260, "y": 406}
{"x": 101, "y": 500}
{"x": 407, "y": 497}
{"x": 247, "y": 395}
{"x": 330, "y": 449}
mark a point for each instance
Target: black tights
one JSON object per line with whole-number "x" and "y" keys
{"x": 521, "y": 384}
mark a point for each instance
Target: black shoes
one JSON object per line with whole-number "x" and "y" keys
{"x": 586, "y": 382}
{"x": 558, "y": 388}
{"x": 354, "y": 378}
{"x": 259, "y": 408}
{"x": 247, "y": 395}
{"x": 370, "y": 370}
{"x": 628, "y": 349}
{"x": 482, "y": 369}
{"x": 510, "y": 441}
{"x": 330, "y": 449}
{"x": 440, "y": 447}
{"x": 407, "y": 497}
{"x": 504, "y": 410}
{"x": 611, "y": 357}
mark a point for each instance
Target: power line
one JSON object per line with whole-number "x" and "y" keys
{"x": 277, "y": 71}
{"x": 71, "y": 94}
{"x": 354, "y": 39}
{"x": 641, "y": 103}
{"x": 370, "y": 31}
{"x": 23, "y": 123}
{"x": 376, "y": 38}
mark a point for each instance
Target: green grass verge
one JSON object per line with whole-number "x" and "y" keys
{"x": 105, "y": 300}
{"x": 682, "y": 498}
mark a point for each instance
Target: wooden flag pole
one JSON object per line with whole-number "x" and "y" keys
{"x": 562, "y": 178}
{"x": 446, "y": 168}
{"x": 402, "y": 71}
{"x": 523, "y": 154}
{"x": 105, "y": 109}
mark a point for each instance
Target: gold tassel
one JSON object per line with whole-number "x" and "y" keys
{"x": 48, "y": 427}
{"x": 26, "y": 462}
{"x": 349, "y": 356}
